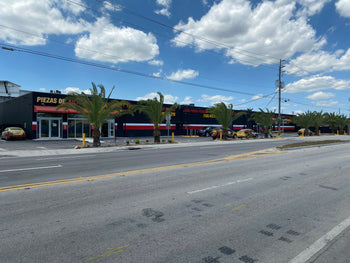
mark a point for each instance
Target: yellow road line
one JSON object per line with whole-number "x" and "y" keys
{"x": 155, "y": 169}
{"x": 113, "y": 251}
{"x": 238, "y": 207}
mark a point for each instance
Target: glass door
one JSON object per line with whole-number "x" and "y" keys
{"x": 55, "y": 128}
{"x": 44, "y": 128}
{"x": 49, "y": 128}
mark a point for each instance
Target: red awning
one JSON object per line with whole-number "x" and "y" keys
{"x": 52, "y": 109}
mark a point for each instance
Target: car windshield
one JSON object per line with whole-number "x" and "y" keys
{"x": 15, "y": 129}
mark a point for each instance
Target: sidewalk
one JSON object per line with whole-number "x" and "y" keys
{"x": 337, "y": 252}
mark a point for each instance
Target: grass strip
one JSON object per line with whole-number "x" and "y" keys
{"x": 305, "y": 144}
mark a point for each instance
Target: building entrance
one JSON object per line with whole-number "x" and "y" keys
{"x": 49, "y": 127}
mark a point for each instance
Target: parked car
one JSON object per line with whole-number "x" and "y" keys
{"x": 216, "y": 133}
{"x": 300, "y": 132}
{"x": 247, "y": 133}
{"x": 206, "y": 131}
{"x": 13, "y": 133}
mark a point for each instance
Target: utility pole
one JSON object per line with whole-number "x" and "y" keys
{"x": 280, "y": 86}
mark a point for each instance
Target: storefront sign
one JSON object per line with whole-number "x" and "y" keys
{"x": 49, "y": 100}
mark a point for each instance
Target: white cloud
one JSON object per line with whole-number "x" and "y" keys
{"x": 270, "y": 28}
{"x": 42, "y": 89}
{"x": 257, "y": 96}
{"x": 183, "y": 74}
{"x": 168, "y": 99}
{"x": 74, "y": 89}
{"x": 109, "y": 43}
{"x": 311, "y": 7}
{"x": 158, "y": 74}
{"x": 215, "y": 99}
{"x": 343, "y": 7}
{"x": 155, "y": 62}
{"x": 187, "y": 100}
{"x": 165, "y": 6}
{"x": 111, "y": 7}
{"x": 39, "y": 18}
{"x": 317, "y": 83}
{"x": 319, "y": 61}
{"x": 327, "y": 103}
{"x": 321, "y": 95}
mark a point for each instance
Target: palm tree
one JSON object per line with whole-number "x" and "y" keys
{"x": 304, "y": 120}
{"x": 95, "y": 107}
{"x": 331, "y": 120}
{"x": 341, "y": 121}
{"x": 317, "y": 120}
{"x": 264, "y": 118}
{"x": 224, "y": 115}
{"x": 153, "y": 109}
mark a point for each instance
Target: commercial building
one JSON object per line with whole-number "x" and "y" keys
{"x": 37, "y": 114}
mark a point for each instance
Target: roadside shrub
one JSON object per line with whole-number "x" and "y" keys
{"x": 137, "y": 141}
{"x": 170, "y": 141}
{"x": 163, "y": 140}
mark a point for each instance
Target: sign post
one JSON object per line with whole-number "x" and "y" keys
{"x": 168, "y": 118}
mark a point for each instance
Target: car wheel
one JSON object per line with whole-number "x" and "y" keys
{"x": 207, "y": 134}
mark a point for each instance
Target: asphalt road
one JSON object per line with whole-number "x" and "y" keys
{"x": 14, "y": 171}
{"x": 271, "y": 208}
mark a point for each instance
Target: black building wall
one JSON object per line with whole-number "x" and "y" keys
{"x": 17, "y": 112}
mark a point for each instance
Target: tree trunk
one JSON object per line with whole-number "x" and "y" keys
{"x": 96, "y": 137}
{"x": 266, "y": 132}
{"x": 156, "y": 134}
{"x": 224, "y": 133}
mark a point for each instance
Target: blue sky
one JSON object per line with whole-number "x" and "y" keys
{"x": 198, "y": 51}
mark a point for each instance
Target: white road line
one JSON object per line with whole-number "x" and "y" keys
{"x": 66, "y": 157}
{"x": 30, "y": 168}
{"x": 217, "y": 186}
{"x": 321, "y": 243}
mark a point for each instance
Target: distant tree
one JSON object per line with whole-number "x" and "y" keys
{"x": 97, "y": 108}
{"x": 264, "y": 118}
{"x": 331, "y": 120}
{"x": 317, "y": 120}
{"x": 304, "y": 120}
{"x": 341, "y": 121}
{"x": 225, "y": 116}
{"x": 153, "y": 109}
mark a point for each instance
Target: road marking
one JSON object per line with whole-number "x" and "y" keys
{"x": 66, "y": 157}
{"x": 321, "y": 243}
{"x": 30, "y": 168}
{"x": 113, "y": 251}
{"x": 217, "y": 186}
{"x": 256, "y": 154}
{"x": 238, "y": 207}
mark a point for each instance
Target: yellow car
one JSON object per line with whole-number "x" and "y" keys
{"x": 13, "y": 133}
{"x": 247, "y": 133}
{"x": 216, "y": 133}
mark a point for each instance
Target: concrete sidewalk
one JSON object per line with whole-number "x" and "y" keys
{"x": 337, "y": 252}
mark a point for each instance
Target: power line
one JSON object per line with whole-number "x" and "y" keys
{"x": 44, "y": 54}
{"x": 212, "y": 42}
{"x": 90, "y": 50}
{"x": 274, "y": 95}
{"x": 216, "y": 43}
{"x": 253, "y": 100}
